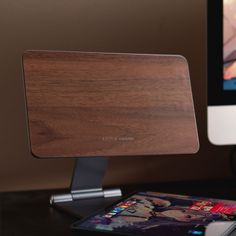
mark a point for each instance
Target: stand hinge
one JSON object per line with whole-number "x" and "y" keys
{"x": 85, "y": 194}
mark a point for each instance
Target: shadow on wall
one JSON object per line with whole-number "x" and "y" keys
{"x": 173, "y": 27}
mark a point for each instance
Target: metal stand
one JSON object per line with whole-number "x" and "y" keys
{"x": 86, "y": 194}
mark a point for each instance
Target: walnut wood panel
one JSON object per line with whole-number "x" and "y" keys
{"x": 104, "y": 104}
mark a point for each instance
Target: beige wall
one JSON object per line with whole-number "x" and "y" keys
{"x": 143, "y": 26}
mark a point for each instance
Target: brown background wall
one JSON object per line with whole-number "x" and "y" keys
{"x": 153, "y": 26}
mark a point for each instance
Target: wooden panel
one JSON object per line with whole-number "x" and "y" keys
{"x": 101, "y": 104}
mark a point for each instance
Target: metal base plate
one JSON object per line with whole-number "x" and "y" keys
{"x": 86, "y": 194}
{"x": 85, "y": 207}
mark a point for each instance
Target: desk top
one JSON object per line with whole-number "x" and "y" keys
{"x": 29, "y": 213}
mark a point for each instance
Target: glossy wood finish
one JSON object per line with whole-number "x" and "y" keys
{"x": 101, "y": 104}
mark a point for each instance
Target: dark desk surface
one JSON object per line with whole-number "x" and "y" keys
{"x": 29, "y": 213}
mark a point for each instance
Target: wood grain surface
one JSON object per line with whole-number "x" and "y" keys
{"x": 103, "y": 104}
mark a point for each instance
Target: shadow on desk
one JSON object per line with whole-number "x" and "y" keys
{"x": 29, "y": 213}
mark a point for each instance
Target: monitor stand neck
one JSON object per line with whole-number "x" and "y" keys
{"x": 86, "y": 194}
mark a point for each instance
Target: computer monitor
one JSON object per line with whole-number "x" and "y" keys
{"x": 92, "y": 106}
{"x": 106, "y": 104}
{"x": 222, "y": 72}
